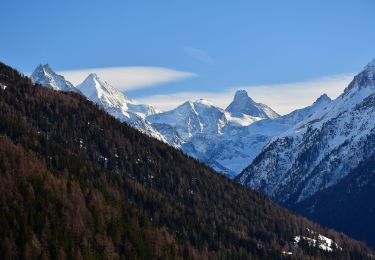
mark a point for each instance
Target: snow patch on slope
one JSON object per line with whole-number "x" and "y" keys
{"x": 317, "y": 240}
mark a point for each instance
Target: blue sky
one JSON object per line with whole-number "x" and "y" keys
{"x": 221, "y": 45}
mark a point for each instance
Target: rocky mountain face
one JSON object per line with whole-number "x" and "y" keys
{"x": 321, "y": 150}
{"x": 243, "y": 104}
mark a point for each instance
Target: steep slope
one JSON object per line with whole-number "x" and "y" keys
{"x": 118, "y": 105}
{"x": 320, "y": 151}
{"x": 45, "y": 76}
{"x": 105, "y": 95}
{"x": 133, "y": 196}
{"x": 49, "y": 216}
{"x": 347, "y": 206}
{"x": 243, "y": 104}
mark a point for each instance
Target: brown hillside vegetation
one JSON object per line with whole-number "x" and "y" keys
{"x": 76, "y": 183}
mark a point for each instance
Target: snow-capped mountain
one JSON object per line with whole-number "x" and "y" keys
{"x": 183, "y": 126}
{"x": 192, "y": 118}
{"x": 243, "y": 104}
{"x": 46, "y": 77}
{"x": 196, "y": 127}
{"x": 105, "y": 95}
{"x": 118, "y": 105}
{"x": 227, "y": 142}
{"x": 235, "y": 149}
{"x": 321, "y": 150}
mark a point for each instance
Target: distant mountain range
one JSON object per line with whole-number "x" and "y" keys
{"x": 225, "y": 139}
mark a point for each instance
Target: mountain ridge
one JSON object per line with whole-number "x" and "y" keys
{"x": 208, "y": 133}
{"x": 318, "y": 151}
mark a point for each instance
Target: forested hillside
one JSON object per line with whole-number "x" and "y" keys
{"x": 348, "y": 206}
{"x": 76, "y": 183}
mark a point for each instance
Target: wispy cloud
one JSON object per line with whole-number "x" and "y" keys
{"x": 129, "y": 78}
{"x": 283, "y": 98}
{"x": 199, "y": 55}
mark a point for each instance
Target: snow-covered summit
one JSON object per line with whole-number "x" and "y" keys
{"x": 323, "y": 98}
{"x": 102, "y": 93}
{"x": 105, "y": 95}
{"x": 191, "y": 118}
{"x": 118, "y": 105}
{"x": 243, "y": 104}
{"x": 45, "y": 76}
{"x": 203, "y": 102}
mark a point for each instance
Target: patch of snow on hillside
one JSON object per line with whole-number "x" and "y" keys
{"x": 318, "y": 240}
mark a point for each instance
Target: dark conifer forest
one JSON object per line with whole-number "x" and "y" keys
{"x": 75, "y": 183}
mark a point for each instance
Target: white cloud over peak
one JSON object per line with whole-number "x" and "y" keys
{"x": 283, "y": 98}
{"x": 199, "y": 55}
{"x": 129, "y": 78}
